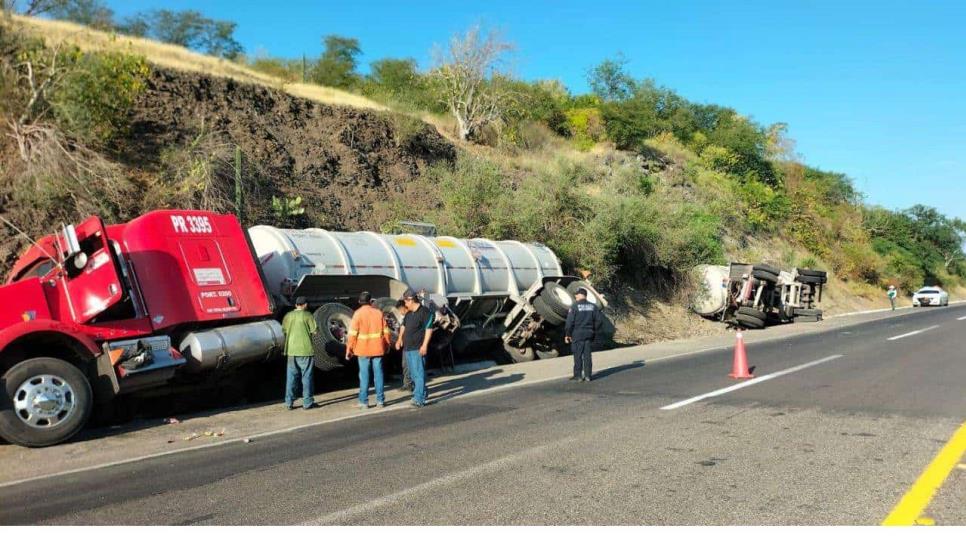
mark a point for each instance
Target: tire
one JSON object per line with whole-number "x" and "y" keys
{"x": 814, "y": 280}
{"x": 752, "y": 312}
{"x": 23, "y": 422}
{"x": 557, "y": 298}
{"x": 591, "y": 297}
{"x": 518, "y": 355}
{"x": 329, "y": 344}
{"x": 393, "y": 316}
{"x": 548, "y": 314}
{"x": 766, "y": 268}
{"x": 546, "y": 353}
{"x": 749, "y": 322}
{"x": 764, "y": 275}
{"x": 810, "y": 272}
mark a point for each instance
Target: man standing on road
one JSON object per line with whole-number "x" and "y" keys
{"x": 583, "y": 322}
{"x": 368, "y": 339}
{"x": 407, "y": 382}
{"x": 299, "y": 326}
{"x": 892, "y": 293}
{"x": 414, "y": 337}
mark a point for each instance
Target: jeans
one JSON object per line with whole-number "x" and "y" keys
{"x": 893, "y": 301}
{"x": 582, "y": 360}
{"x": 417, "y": 371}
{"x": 407, "y": 381}
{"x": 364, "y": 364}
{"x": 299, "y": 374}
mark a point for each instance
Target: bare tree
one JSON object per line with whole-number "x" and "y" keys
{"x": 30, "y": 7}
{"x": 465, "y": 70}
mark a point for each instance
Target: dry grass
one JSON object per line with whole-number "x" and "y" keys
{"x": 180, "y": 58}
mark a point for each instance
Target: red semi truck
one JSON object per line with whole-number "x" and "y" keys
{"x": 97, "y": 310}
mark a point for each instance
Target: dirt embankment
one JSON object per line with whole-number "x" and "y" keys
{"x": 340, "y": 160}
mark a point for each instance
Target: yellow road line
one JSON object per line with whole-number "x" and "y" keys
{"x": 910, "y": 508}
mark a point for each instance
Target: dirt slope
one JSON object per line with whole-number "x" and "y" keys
{"x": 341, "y": 160}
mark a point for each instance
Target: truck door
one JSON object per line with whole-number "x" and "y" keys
{"x": 94, "y": 286}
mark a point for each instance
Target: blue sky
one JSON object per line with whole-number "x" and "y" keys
{"x": 876, "y": 90}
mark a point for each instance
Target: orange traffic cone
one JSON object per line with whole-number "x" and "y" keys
{"x": 739, "y": 369}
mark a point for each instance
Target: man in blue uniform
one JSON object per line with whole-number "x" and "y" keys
{"x": 583, "y": 322}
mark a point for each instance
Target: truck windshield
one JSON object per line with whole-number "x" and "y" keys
{"x": 38, "y": 270}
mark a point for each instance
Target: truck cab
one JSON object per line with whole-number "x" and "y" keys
{"x": 97, "y": 311}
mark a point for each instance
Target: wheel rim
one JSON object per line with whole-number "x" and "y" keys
{"x": 44, "y": 401}
{"x": 563, "y": 295}
{"x": 339, "y": 328}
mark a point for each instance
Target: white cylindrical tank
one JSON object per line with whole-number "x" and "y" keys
{"x": 451, "y": 267}
{"x": 711, "y": 290}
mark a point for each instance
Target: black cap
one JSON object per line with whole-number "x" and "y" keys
{"x": 582, "y": 291}
{"x": 410, "y": 294}
{"x": 300, "y": 301}
{"x": 365, "y": 297}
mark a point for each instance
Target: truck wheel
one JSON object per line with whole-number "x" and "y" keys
{"x": 546, "y": 352}
{"x": 810, "y": 272}
{"x": 815, "y": 280}
{"x": 548, "y": 315}
{"x": 767, "y": 268}
{"x": 591, "y": 297}
{"x": 557, "y": 298}
{"x": 519, "y": 355}
{"x": 752, "y": 312}
{"x": 45, "y": 401}
{"x": 749, "y": 321}
{"x": 764, "y": 275}
{"x": 333, "y": 320}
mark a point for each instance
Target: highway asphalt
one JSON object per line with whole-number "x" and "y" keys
{"x": 835, "y": 429}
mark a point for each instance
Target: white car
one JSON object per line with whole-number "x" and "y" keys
{"x": 930, "y": 296}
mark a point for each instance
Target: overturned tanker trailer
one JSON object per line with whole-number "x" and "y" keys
{"x": 502, "y": 292}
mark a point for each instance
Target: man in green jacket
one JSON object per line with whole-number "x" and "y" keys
{"x": 299, "y": 326}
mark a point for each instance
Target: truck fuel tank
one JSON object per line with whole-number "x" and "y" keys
{"x": 228, "y": 347}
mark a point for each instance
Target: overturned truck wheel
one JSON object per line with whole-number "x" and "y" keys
{"x": 519, "y": 355}
{"x": 750, "y": 318}
{"x": 557, "y": 298}
{"x": 547, "y": 313}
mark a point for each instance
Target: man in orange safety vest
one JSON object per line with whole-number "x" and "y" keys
{"x": 368, "y": 339}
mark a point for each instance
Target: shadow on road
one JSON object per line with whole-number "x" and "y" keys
{"x": 615, "y": 369}
{"x": 470, "y": 383}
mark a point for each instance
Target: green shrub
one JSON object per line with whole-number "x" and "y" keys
{"x": 289, "y": 71}
{"x": 765, "y": 207}
{"x": 808, "y": 262}
{"x": 94, "y": 99}
{"x": 585, "y": 126}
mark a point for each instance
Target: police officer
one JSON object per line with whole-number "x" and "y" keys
{"x": 583, "y": 322}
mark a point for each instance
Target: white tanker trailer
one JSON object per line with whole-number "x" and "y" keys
{"x": 506, "y": 291}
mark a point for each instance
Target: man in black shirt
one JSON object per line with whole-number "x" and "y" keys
{"x": 583, "y": 321}
{"x": 414, "y": 336}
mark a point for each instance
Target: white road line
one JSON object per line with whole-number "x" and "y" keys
{"x": 342, "y": 516}
{"x": 961, "y": 318}
{"x": 906, "y": 335}
{"x": 749, "y": 383}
